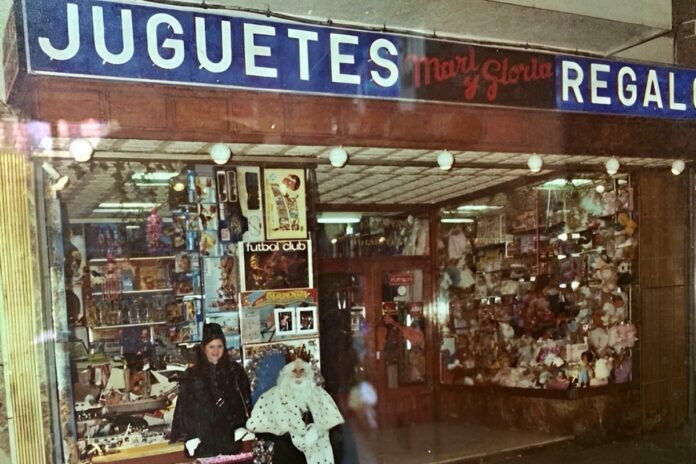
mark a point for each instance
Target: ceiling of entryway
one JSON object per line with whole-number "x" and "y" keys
{"x": 373, "y": 177}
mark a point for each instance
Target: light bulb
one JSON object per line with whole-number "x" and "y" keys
{"x": 81, "y": 150}
{"x": 445, "y": 160}
{"x": 338, "y": 157}
{"x": 220, "y": 153}
{"x": 677, "y": 167}
{"x": 535, "y": 163}
{"x": 612, "y": 166}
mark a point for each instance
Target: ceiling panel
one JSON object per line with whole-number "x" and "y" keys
{"x": 355, "y": 183}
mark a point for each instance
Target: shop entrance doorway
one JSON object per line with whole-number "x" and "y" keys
{"x": 375, "y": 330}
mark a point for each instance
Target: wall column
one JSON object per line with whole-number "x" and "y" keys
{"x": 21, "y": 328}
{"x": 662, "y": 304}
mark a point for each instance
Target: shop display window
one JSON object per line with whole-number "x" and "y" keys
{"x": 150, "y": 252}
{"x": 536, "y": 286}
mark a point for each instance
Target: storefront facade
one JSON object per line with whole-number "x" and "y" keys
{"x": 406, "y": 92}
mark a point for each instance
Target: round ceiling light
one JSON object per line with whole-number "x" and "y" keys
{"x": 535, "y": 163}
{"x": 445, "y": 160}
{"x": 612, "y": 166}
{"x": 81, "y": 150}
{"x": 220, "y": 153}
{"x": 338, "y": 157}
{"x": 678, "y": 167}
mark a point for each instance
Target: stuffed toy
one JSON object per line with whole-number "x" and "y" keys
{"x": 625, "y": 198}
{"x": 624, "y": 248}
{"x": 602, "y": 371}
{"x": 606, "y": 272}
{"x": 629, "y": 225}
{"x": 626, "y": 335}
{"x": 526, "y": 351}
{"x": 611, "y": 203}
{"x": 613, "y": 313}
{"x": 622, "y": 371}
{"x": 598, "y": 339}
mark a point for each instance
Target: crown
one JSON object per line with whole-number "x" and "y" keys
{"x": 301, "y": 352}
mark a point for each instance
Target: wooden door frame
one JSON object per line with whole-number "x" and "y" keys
{"x": 372, "y": 268}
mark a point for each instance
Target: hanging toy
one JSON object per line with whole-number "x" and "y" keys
{"x": 153, "y": 231}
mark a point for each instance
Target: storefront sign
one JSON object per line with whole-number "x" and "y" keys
{"x": 631, "y": 89}
{"x": 193, "y": 46}
{"x": 127, "y": 41}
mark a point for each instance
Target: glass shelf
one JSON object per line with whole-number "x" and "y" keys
{"x": 121, "y": 326}
{"x": 138, "y": 292}
{"x": 135, "y": 258}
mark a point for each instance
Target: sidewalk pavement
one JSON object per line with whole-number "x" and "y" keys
{"x": 665, "y": 448}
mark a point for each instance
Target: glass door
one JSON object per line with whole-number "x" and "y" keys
{"x": 374, "y": 339}
{"x": 401, "y": 350}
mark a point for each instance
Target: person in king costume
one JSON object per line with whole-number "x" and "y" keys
{"x": 298, "y": 415}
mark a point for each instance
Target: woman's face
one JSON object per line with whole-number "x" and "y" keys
{"x": 214, "y": 350}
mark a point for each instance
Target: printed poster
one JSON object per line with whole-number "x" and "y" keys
{"x": 285, "y": 203}
{"x": 275, "y": 265}
{"x": 259, "y": 308}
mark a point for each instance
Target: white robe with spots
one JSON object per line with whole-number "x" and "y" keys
{"x": 279, "y": 411}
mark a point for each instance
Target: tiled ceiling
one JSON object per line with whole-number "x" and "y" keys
{"x": 372, "y": 176}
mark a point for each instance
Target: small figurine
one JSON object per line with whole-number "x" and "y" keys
{"x": 585, "y": 370}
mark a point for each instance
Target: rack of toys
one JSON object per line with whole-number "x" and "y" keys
{"x": 539, "y": 289}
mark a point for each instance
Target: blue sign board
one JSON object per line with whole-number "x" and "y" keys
{"x": 147, "y": 42}
{"x": 598, "y": 86}
{"x": 121, "y": 40}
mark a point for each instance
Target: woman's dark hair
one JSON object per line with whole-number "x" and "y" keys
{"x": 212, "y": 331}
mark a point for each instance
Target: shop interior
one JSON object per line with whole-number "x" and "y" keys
{"x": 403, "y": 269}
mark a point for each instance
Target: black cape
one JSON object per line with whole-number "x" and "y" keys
{"x": 199, "y": 414}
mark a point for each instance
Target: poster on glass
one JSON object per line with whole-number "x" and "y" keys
{"x": 284, "y": 204}
{"x": 263, "y": 313}
{"x": 276, "y": 265}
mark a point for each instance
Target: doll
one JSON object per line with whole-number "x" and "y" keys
{"x": 585, "y": 369}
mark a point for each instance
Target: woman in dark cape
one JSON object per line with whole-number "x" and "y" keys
{"x": 214, "y": 400}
